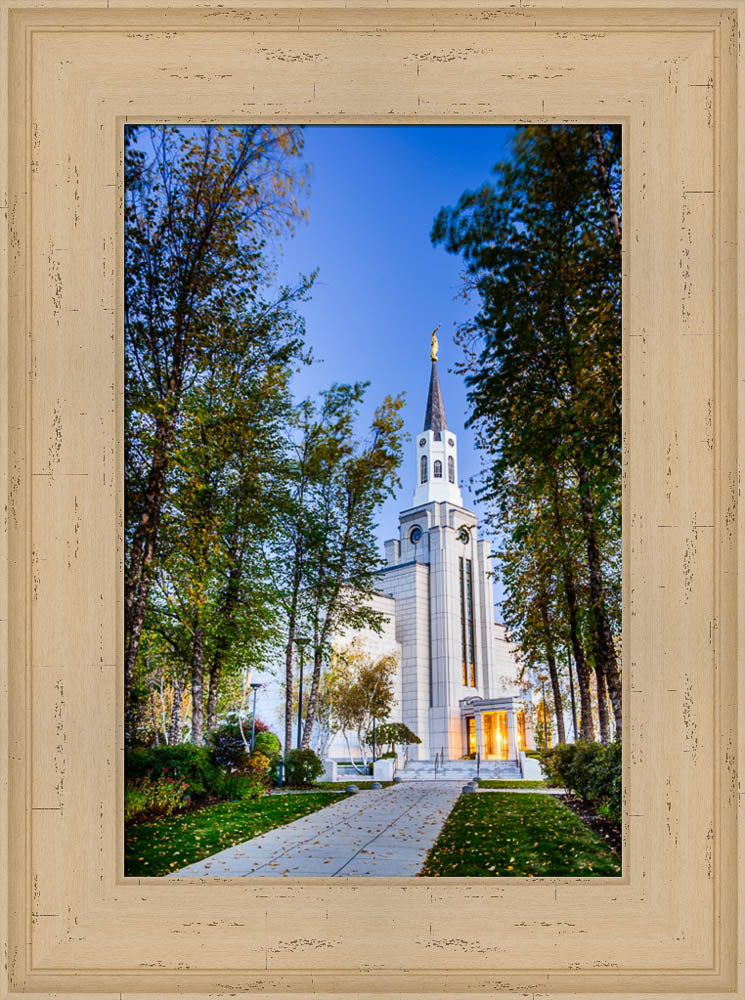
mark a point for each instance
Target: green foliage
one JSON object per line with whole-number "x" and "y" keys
{"x": 541, "y": 247}
{"x": 181, "y": 761}
{"x": 210, "y": 346}
{"x": 268, "y": 744}
{"x": 302, "y": 768}
{"x": 590, "y": 770}
{"x": 165, "y": 846}
{"x": 256, "y": 775}
{"x": 360, "y": 689}
{"x": 149, "y": 798}
{"x": 393, "y": 735}
{"x": 229, "y": 743}
{"x": 493, "y": 834}
{"x": 327, "y": 548}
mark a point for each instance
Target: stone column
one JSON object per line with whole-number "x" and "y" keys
{"x": 511, "y": 734}
{"x": 479, "y": 734}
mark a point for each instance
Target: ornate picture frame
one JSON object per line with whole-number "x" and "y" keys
{"x": 73, "y": 75}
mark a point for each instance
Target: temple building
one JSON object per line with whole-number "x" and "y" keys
{"x": 456, "y": 685}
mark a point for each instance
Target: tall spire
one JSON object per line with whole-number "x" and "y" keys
{"x": 434, "y": 418}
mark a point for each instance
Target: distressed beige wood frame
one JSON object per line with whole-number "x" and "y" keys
{"x": 76, "y": 72}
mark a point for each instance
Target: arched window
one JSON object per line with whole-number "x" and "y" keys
{"x": 423, "y": 469}
{"x": 437, "y": 471}
{"x": 451, "y": 468}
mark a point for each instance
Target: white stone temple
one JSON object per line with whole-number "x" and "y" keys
{"x": 456, "y": 685}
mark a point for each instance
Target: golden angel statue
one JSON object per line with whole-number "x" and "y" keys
{"x": 435, "y": 345}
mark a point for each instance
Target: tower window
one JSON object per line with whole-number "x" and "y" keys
{"x": 451, "y": 469}
{"x": 423, "y": 469}
{"x": 466, "y": 622}
{"x": 437, "y": 470}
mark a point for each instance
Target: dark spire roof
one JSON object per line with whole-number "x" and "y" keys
{"x": 434, "y": 418}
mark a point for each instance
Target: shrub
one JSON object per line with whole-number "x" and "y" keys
{"x": 302, "y": 767}
{"x": 590, "y": 770}
{"x": 181, "y": 761}
{"x": 150, "y": 798}
{"x": 227, "y": 743}
{"x": 268, "y": 744}
{"x": 255, "y": 777}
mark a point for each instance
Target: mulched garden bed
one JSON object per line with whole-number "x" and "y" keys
{"x": 610, "y": 833}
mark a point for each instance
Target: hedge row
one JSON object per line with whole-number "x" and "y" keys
{"x": 590, "y": 770}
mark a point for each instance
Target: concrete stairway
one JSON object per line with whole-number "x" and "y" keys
{"x": 460, "y": 770}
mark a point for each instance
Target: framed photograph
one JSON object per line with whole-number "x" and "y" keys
{"x": 445, "y": 769}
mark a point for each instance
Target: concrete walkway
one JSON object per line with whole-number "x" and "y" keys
{"x": 383, "y": 832}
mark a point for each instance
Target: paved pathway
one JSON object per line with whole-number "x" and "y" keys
{"x": 383, "y": 832}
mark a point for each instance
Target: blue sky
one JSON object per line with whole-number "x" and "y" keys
{"x": 382, "y": 287}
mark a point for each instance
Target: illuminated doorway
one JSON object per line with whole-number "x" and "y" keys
{"x": 495, "y": 733}
{"x": 471, "y": 734}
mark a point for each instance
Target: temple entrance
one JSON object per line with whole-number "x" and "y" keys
{"x": 495, "y": 735}
{"x": 471, "y": 734}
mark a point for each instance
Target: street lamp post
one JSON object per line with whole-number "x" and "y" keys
{"x": 542, "y": 678}
{"x": 301, "y": 642}
{"x": 254, "y": 687}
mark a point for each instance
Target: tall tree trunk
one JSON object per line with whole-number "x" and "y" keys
{"x": 604, "y": 185}
{"x": 214, "y": 688}
{"x": 605, "y": 646}
{"x": 322, "y": 638}
{"x": 603, "y": 720}
{"x": 142, "y": 554}
{"x": 197, "y": 688}
{"x": 154, "y": 717}
{"x": 312, "y": 700}
{"x": 586, "y": 725}
{"x": 178, "y": 697}
{"x": 554, "y": 675}
{"x": 226, "y": 615}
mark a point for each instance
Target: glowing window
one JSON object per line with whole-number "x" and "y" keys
{"x": 521, "y": 741}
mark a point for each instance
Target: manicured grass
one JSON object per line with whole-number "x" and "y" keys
{"x": 512, "y": 784}
{"x": 339, "y": 786}
{"x": 169, "y": 844}
{"x": 502, "y": 835}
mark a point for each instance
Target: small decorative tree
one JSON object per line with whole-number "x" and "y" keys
{"x": 392, "y": 735}
{"x": 361, "y": 690}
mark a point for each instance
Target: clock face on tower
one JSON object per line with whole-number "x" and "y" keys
{"x": 416, "y": 535}
{"x": 463, "y": 535}
{"x": 422, "y": 442}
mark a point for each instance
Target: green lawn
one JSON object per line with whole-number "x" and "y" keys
{"x": 502, "y": 835}
{"x": 512, "y": 784}
{"x": 169, "y": 844}
{"x": 339, "y": 786}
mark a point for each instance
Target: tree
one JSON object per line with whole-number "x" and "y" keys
{"x": 542, "y": 358}
{"x": 325, "y": 554}
{"x": 362, "y": 690}
{"x": 198, "y": 204}
{"x": 392, "y": 735}
{"x": 343, "y": 575}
